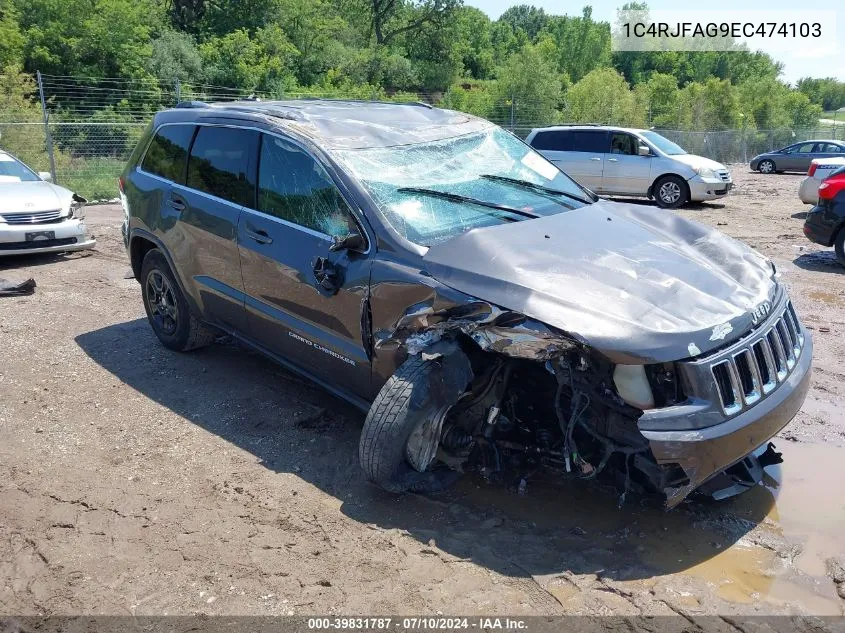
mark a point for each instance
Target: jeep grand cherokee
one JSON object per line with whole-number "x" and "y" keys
{"x": 487, "y": 312}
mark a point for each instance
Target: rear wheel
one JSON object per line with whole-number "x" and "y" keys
{"x": 402, "y": 431}
{"x": 766, "y": 167}
{"x": 168, "y": 312}
{"x": 671, "y": 192}
{"x": 839, "y": 246}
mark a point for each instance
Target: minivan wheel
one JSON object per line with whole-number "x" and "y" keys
{"x": 671, "y": 192}
{"x": 167, "y": 310}
{"x": 766, "y": 167}
{"x": 401, "y": 434}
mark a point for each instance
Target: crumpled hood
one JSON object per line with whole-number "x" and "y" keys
{"x": 31, "y": 197}
{"x": 697, "y": 162}
{"x": 637, "y": 283}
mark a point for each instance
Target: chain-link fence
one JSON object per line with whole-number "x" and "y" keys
{"x": 92, "y": 124}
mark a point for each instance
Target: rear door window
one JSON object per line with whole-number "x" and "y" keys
{"x": 220, "y": 163}
{"x": 168, "y": 152}
{"x": 294, "y": 187}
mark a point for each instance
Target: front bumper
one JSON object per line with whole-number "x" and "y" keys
{"x": 21, "y": 239}
{"x": 705, "y": 453}
{"x": 701, "y": 189}
{"x": 820, "y": 226}
{"x": 808, "y": 190}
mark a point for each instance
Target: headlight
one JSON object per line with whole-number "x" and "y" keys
{"x": 77, "y": 208}
{"x": 632, "y": 385}
{"x": 706, "y": 172}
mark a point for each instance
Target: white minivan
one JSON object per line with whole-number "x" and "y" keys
{"x": 630, "y": 162}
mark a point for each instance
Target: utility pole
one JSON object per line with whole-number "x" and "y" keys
{"x": 48, "y": 138}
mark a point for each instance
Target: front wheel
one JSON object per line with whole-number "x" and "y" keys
{"x": 402, "y": 431}
{"x": 671, "y": 192}
{"x": 168, "y": 312}
{"x": 766, "y": 167}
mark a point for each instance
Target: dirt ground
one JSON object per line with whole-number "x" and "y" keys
{"x": 134, "y": 480}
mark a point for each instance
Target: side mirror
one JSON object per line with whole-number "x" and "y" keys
{"x": 643, "y": 150}
{"x": 46, "y": 176}
{"x": 350, "y": 242}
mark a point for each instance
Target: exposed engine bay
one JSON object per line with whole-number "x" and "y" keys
{"x": 537, "y": 400}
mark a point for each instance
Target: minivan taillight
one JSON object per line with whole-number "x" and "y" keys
{"x": 813, "y": 166}
{"x": 832, "y": 186}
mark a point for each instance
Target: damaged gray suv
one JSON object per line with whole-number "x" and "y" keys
{"x": 487, "y": 312}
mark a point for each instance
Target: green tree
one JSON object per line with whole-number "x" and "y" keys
{"x": 175, "y": 56}
{"x": 264, "y": 62}
{"x": 526, "y": 17}
{"x": 531, "y": 85}
{"x": 312, "y": 27}
{"x": 99, "y": 38}
{"x": 11, "y": 38}
{"x": 711, "y": 105}
{"x": 473, "y": 43}
{"x": 389, "y": 18}
{"x": 603, "y": 96}
{"x": 829, "y": 93}
{"x": 583, "y": 43}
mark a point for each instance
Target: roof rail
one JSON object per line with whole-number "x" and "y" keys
{"x": 192, "y": 104}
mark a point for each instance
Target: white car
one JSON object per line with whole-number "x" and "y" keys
{"x": 631, "y": 162}
{"x": 37, "y": 216}
{"x": 820, "y": 168}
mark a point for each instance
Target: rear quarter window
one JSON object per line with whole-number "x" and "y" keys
{"x": 168, "y": 152}
{"x": 557, "y": 141}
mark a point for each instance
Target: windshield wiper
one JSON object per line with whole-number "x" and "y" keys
{"x": 456, "y": 197}
{"x": 531, "y": 185}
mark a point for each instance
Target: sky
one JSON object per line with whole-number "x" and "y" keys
{"x": 802, "y": 59}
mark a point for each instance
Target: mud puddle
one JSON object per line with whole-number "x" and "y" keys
{"x": 768, "y": 545}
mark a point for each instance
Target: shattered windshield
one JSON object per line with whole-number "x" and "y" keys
{"x": 431, "y": 192}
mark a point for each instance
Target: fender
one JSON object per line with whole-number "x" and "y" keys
{"x": 145, "y": 234}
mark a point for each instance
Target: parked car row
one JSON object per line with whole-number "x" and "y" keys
{"x": 825, "y": 223}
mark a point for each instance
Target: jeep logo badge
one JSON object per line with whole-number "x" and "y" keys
{"x": 759, "y": 313}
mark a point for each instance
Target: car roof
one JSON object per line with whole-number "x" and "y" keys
{"x": 342, "y": 124}
{"x": 606, "y": 128}
{"x": 818, "y": 140}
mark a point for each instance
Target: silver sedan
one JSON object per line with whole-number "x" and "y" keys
{"x": 37, "y": 216}
{"x": 797, "y": 157}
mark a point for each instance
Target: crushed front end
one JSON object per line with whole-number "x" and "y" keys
{"x": 540, "y": 399}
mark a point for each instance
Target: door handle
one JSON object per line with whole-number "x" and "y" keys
{"x": 259, "y": 236}
{"x": 176, "y": 203}
{"x": 595, "y": 158}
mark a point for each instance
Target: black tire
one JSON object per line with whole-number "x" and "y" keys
{"x": 168, "y": 312}
{"x": 839, "y": 246}
{"x": 766, "y": 166}
{"x": 406, "y": 401}
{"x": 670, "y": 192}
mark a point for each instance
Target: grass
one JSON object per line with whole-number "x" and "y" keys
{"x": 91, "y": 178}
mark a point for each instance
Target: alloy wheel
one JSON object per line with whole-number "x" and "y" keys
{"x": 670, "y": 192}
{"x": 162, "y": 301}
